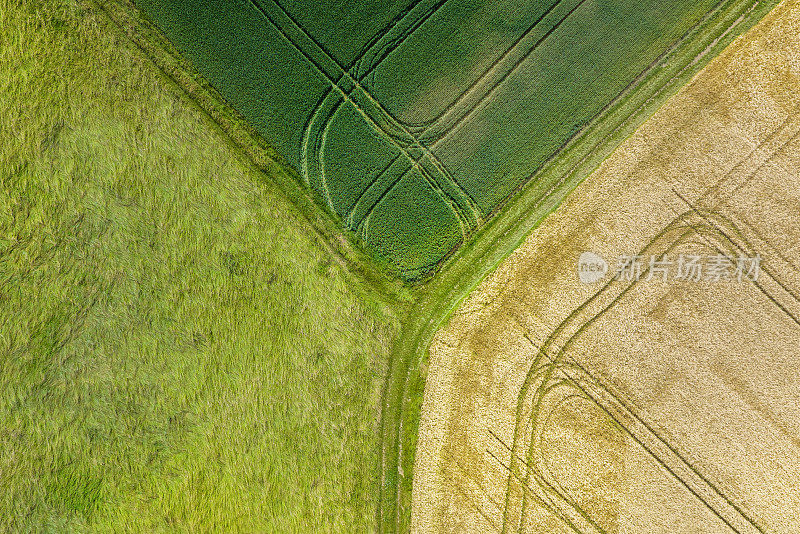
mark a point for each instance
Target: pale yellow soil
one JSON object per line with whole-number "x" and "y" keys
{"x": 674, "y": 406}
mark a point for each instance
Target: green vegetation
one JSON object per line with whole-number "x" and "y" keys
{"x": 568, "y": 76}
{"x": 469, "y": 100}
{"x": 411, "y": 204}
{"x": 179, "y": 351}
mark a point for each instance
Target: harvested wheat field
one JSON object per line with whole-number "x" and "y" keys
{"x": 655, "y": 399}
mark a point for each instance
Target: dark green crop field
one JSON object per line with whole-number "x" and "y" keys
{"x": 415, "y": 121}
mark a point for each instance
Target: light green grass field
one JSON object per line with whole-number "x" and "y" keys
{"x": 177, "y": 351}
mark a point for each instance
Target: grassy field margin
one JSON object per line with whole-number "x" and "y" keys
{"x": 179, "y": 350}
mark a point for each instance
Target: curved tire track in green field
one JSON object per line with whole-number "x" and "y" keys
{"x": 373, "y": 112}
{"x": 311, "y": 162}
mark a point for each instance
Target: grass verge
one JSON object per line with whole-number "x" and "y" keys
{"x": 179, "y": 350}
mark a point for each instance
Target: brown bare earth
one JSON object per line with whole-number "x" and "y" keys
{"x": 647, "y": 406}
